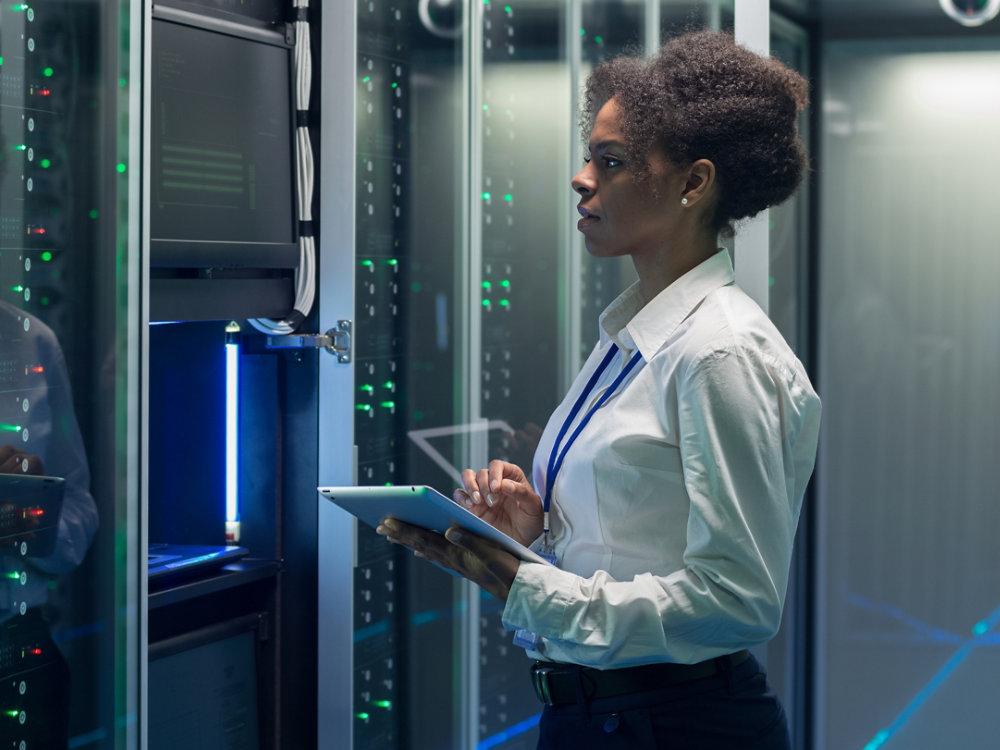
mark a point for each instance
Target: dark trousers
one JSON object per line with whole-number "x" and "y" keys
{"x": 736, "y": 710}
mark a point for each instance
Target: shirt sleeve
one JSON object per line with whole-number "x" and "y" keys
{"x": 748, "y": 431}
{"x": 65, "y": 456}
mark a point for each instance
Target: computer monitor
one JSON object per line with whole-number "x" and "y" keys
{"x": 222, "y": 145}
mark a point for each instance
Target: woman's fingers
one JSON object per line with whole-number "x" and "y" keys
{"x": 483, "y": 480}
{"x": 473, "y": 487}
{"x": 424, "y": 543}
{"x": 462, "y": 497}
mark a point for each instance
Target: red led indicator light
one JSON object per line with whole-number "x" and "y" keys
{"x": 36, "y": 230}
{"x": 38, "y": 369}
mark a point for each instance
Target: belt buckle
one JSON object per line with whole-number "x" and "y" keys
{"x": 540, "y": 681}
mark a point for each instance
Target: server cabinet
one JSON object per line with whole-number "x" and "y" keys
{"x": 70, "y": 625}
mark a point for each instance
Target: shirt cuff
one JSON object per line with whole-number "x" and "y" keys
{"x": 537, "y": 601}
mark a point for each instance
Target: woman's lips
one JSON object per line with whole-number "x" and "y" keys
{"x": 587, "y": 221}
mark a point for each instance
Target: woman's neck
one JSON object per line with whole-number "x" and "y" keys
{"x": 657, "y": 271}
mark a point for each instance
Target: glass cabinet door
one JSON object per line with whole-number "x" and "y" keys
{"x": 69, "y": 634}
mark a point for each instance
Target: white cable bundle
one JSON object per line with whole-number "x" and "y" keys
{"x": 305, "y": 274}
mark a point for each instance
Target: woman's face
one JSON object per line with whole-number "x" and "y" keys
{"x": 618, "y": 215}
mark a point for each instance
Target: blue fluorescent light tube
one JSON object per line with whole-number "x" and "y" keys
{"x": 232, "y": 423}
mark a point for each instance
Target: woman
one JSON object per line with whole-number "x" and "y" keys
{"x": 667, "y": 485}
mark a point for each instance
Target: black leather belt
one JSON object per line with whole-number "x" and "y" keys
{"x": 566, "y": 683}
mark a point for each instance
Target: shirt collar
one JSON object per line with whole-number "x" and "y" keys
{"x": 630, "y": 324}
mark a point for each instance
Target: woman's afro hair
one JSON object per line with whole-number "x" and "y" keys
{"x": 705, "y": 97}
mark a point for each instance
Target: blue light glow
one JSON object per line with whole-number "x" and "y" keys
{"x": 232, "y": 432}
{"x": 980, "y": 630}
{"x": 509, "y": 733}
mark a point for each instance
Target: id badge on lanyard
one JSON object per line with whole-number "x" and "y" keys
{"x": 525, "y": 638}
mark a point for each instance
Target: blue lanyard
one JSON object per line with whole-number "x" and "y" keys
{"x": 556, "y": 456}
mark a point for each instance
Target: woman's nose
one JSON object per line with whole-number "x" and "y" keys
{"x": 583, "y": 183}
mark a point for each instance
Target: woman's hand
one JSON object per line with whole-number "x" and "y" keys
{"x": 502, "y": 496}
{"x": 467, "y": 554}
{"x": 13, "y": 461}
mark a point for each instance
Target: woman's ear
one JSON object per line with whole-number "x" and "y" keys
{"x": 700, "y": 182}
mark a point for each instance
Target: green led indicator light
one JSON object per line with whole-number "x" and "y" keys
{"x": 504, "y": 302}
{"x": 366, "y": 388}
{"x": 120, "y": 167}
{"x": 17, "y": 288}
{"x": 583, "y": 32}
{"x": 21, "y": 147}
{"x": 487, "y": 285}
{"x": 367, "y": 263}
{"x": 363, "y": 716}
{"x": 388, "y": 384}
{"x": 363, "y": 407}
{"x": 19, "y": 6}
{"x": 394, "y": 84}
{"x": 92, "y": 213}
{"x": 388, "y": 404}
{"x": 366, "y": 79}
{"x": 382, "y": 704}
{"x": 123, "y": 82}
{"x": 508, "y": 197}
{"x": 980, "y": 628}
{"x": 508, "y": 9}
{"x": 486, "y": 196}
{"x": 10, "y": 428}
{"x": 13, "y": 576}
{"x": 486, "y": 303}
{"x": 45, "y": 164}
{"x": 505, "y": 283}
{"x": 391, "y": 262}
{"x": 48, "y": 72}
{"x": 46, "y": 256}
{"x": 770, "y": 281}
{"x": 1, "y": 61}
{"x": 13, "y": 714}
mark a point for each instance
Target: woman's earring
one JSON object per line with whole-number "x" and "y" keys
{"x": 684, "y": 201}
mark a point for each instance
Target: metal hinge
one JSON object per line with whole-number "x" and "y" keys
{"x": 337, "y": 341}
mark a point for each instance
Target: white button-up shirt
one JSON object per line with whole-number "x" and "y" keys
{"x": 674, "y": 512}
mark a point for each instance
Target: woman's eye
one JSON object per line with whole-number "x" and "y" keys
{"x": 607, "y": 162}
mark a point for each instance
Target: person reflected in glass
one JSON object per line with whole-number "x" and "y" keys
{"x": 46, "y": 442}
{"x": 667, "y": 486}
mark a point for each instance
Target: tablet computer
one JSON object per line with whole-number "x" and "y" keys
{"x": 420, "y": 506}
{"x": 29, "y": 514}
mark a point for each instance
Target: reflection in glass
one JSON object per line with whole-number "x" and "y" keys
{"x": 63, "y": 397}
